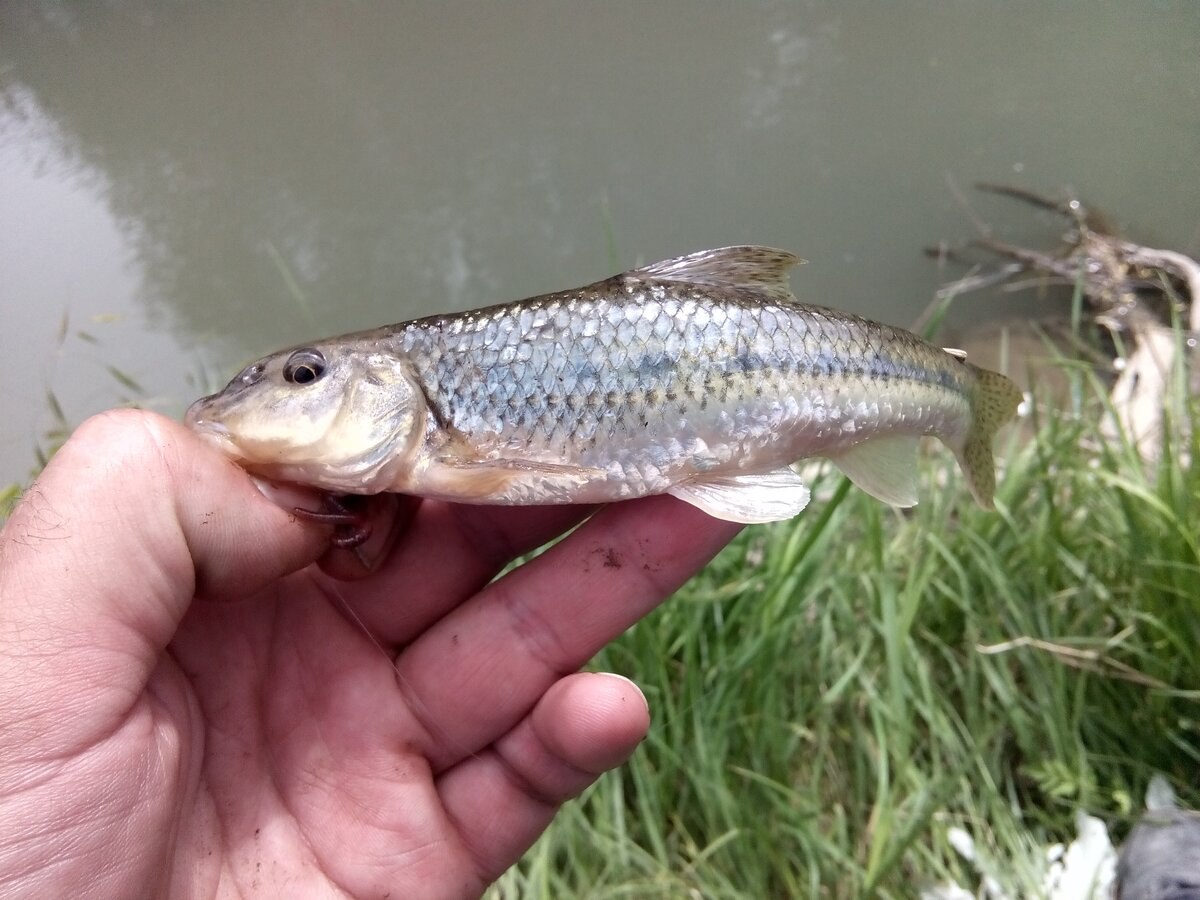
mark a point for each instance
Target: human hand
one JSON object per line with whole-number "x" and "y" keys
{"x": 189, "y": 706}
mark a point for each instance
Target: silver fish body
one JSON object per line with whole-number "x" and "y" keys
{"x": 700, "y": 376}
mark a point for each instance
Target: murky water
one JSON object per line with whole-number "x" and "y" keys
{"x": 187, "y": 186}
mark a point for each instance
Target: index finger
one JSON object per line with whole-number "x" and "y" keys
{"x": 475, "y": 674}
{"x": 445, "y": 554}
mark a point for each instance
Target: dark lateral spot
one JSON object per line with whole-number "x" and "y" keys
{"x": 454, "y": 639}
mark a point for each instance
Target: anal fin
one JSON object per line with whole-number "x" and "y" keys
{"x": 750, "y": 499}
{"x": 884, "y": 467}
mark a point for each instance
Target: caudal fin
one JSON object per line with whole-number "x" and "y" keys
{"x": 994, "y": 402}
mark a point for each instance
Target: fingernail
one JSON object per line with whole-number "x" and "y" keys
{"x": 631, "y": 683}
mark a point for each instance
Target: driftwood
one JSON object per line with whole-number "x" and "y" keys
{"x": 1148, "y": 299}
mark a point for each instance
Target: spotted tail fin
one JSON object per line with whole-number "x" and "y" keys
{"x": 994, "y": 402}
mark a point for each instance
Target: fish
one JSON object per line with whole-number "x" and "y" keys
{"x": 702, "y": 377}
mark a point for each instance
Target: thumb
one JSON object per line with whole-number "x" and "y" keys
{"x": 132, "y": 519}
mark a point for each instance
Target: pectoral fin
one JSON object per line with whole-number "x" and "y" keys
{"x": 507, "y": 480}
{"x": 520, "y": 465}
{"x": 767, "y": 497}
{"x": 884, "y": 467}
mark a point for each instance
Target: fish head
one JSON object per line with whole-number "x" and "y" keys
{"x": 343, "y": 415}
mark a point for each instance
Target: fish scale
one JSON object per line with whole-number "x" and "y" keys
{"x": 700, "y": 376}
{"x": 607, "y": 366}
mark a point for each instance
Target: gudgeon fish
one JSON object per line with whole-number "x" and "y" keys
{"x": 702, "y": 377}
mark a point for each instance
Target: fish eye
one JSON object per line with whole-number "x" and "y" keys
{"x": 304, "y": 366}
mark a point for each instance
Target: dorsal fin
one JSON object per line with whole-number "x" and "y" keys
{"x": 760, "y": 269}
{"x": 955, "y": 352}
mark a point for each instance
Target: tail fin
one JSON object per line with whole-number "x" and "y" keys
{"x": 994, "y": 402}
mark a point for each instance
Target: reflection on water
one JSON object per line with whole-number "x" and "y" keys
{"x": 233, "y": 177}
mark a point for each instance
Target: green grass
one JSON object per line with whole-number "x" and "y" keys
{"x": 824, "y": 708}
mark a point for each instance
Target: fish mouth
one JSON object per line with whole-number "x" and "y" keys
{"x": 209, "y": 430}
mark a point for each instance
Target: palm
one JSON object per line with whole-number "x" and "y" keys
{"x": 311, "y": 754}
{"x": 319, "y": 749}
